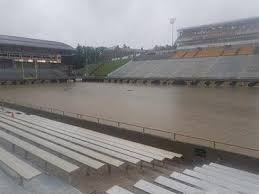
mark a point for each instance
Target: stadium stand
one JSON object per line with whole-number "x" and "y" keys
{"x": 232, "y": 32}
{"x": 227, "y": 67}
{"x": 179, "y": 54}
{"x": 230, "y": 51}
{"x": 191, "y": 53}
{"x": 118, "y": 190}
{"x": 210, "y": 52}
{"x": 38, "y": 185}
{"x": 71, "y": 153}
{"x": 30, "y": 59}
{"x": 223, "y": 52}
{"x": 212, "y": 178}
{"x": 62, "y": 145}
{"x": 246, "y": 50}
{"x": 24, "y": 170}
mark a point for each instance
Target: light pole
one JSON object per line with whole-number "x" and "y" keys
{"x": 172, "y": 21}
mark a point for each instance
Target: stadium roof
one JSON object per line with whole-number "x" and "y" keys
{"x": 28, "y": 42}
{"x": 244, "y": 20}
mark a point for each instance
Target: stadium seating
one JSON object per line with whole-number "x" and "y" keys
{"x": 207, "y": 67}
{"x": 244, "y": 30}
{"x": 179, "y": 54}
{"x": 210, "y": 52}
{"x": 15, "y": 74}
{"x": 246, "y": 50}
{"x": 212, "y": 178}
{"x": 191, "y": 54}
{"x": 230, "y": 51}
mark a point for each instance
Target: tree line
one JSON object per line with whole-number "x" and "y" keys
{"x": 85, "y": 55}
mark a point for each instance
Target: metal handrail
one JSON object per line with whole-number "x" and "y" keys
{"x": 173, "y": 135}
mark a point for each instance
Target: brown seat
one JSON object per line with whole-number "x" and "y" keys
{"x": 191, "y": 54}
{"x": 246, "y": 50}
{"x": 210, "y": 52}
{"x": 230, "y": 51}
{"x": 179, "y": 54}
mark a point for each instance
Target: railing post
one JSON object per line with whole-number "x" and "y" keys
{"x": 174, "y": 136}
{"x": 2, "y": 106}
{"x": 143, "y": 130}
{"x": 118, "y": 124}
{"x": 214, "y": 144}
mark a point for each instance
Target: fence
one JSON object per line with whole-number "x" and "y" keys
{"x": 174, "y": 136}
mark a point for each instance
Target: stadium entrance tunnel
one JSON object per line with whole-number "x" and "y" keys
{"x": 219, "y": 83}
{"x": 180, "y": 83}
{"x": 155, "y": 82}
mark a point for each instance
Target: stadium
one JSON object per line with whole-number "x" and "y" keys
{"x": 208, "y": 55}
{"x": 28, "y": 60}
{"x": 46, "y": 149}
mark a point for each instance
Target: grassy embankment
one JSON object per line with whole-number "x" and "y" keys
{"x": 103, "y": 70}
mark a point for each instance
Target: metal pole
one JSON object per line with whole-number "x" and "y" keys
{"x": 23, "y": 76}
{"x": 172, "y": 21}
{"x": 172, "y": 35}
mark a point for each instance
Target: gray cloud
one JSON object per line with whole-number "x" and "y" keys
{"x": 138, "y": 23}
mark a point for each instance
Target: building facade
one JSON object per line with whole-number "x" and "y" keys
{"x": 32, "y": 59}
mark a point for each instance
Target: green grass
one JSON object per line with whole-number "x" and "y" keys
{"x": 107, "y": 68}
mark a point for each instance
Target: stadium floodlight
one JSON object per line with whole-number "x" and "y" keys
{"x": 172, "y": 21}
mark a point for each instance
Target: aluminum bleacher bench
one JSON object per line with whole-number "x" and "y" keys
{"x": 96, "y": 155}
{"x": 232, "y": 177}
{"x": 45, "y": 156}
{"x": 76, "y": 140}
{"x": 236, "y": 171}
{"x": 24, "y": 170}
{"x": 89, "y": 162}
{"x": 232, "y": 174}
{"x": 118, "y": 190}
{"x": 216, "y": 181}
{"x": 117, "y": 152}
{"x": 175, "y": 185}
{"x": 133, "y": 145}
{"x": 105, "y": 139}
{"x": 98, "y": 141}
{"x": 209, "y": 187}
{"x": 232, "y": 181}
{"x": 151, "y": 188}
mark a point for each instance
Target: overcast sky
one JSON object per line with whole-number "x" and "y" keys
{"x": 138, "y": 23}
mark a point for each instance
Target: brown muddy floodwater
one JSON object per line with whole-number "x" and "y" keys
{"x": 228, "y": 115}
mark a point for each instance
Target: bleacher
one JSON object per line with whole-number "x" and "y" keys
{"x": 17, "y": 74}
{"x": 230, "y": 51}
{"x": 66, "y": 149}
{"x": 225, "y": 50}
{"x": 191, "y": 53}
{"x": 224, "y": 67}
{"x": 213, "y": 178}
{"x": 178, "y": 54}
{"x": 210, "y": 52}
{"x": 24, "y": 170}
{"x": 24, "y": 59}
{"x": 246, "y": 50}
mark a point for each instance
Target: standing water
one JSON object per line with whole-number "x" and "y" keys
{"x": 224, "y": 114}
